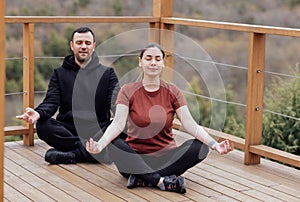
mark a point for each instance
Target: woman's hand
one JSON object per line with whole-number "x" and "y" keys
{"x": 93, "y": 147}
{"x": 223, "y": 147}
{"x": 30, "y": 115}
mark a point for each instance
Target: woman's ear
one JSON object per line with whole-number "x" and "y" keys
{"x": 140, "y": 62}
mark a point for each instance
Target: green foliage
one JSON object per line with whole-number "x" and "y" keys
{"x": 56, "y": 45}
{"x": 278, "y": 131}
{"x": 204, "y": 105}
{"x": 12, "y": 86}
{"x": 234, "y": 124}
{"x": 79, "y": 4}
{"x": 14, "y": 74}
{"x": 13, "y": 138}
{"x": 124, "y": 64}
{"x": 14, "y": 77}
{"x": 294, "y": 3}
{"x": 117, "y": 7}
{"x": 39, "y": 81}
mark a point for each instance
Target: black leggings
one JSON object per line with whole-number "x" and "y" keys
{"x": 150, "y": 168}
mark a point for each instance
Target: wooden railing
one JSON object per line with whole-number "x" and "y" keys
{"x": 2, "y": 95}
{"x": 162, "y": 19}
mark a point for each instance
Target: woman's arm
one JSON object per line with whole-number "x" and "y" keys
{"x": 113, "y": 130}
{"x": 199, "y": 133}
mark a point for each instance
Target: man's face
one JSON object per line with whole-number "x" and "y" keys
{"x": 83, "y": 46}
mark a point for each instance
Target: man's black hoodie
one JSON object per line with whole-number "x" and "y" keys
{"x": 82, "y": 95}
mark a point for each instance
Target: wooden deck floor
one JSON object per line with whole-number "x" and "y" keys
{"x": 27, "y": 177}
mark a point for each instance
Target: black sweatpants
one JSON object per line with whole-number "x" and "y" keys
{"x": 63, "y": 137}
{"x": 150, "y": 168}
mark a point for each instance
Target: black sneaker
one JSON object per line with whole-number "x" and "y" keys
{"x": 134, "y": 181}
{"x": 54, "y": 156}
{"x": 174, "y": 184}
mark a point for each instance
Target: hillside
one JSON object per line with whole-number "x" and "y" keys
{"x": 222, "y": 46}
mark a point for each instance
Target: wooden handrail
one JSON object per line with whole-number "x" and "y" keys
{"x": 2, "y": 98}
{"x": 81, "y": 19}
{"x": 283, "y": 31}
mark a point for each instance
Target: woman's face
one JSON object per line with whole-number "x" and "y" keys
{"x": 152, "y": 62}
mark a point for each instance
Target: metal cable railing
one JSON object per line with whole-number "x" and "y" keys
{"x": 186, "y": 92}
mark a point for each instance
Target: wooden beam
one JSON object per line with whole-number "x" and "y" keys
{"x": 80, "y": 19}
{"x": 276, "y": 154}
{"x": 28, "y": 77}
{"x": 283, "y": 31}
{"x": 2, "y": 96}
{"x": 256, "y": 64}
{"x": 16, "y": 130}
{"x": 163, "y": 8}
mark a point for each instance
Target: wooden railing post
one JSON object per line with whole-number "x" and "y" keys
{"x": 28, "y": 77}
{"x": 2, "y": 97}
{"x": 256, "y": 65}
{"x": 163, "y": 8}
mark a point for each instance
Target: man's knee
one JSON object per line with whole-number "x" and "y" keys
{"x": 43, "y": 128}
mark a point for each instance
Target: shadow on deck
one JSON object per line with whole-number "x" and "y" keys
{"x": 27, "y": 177}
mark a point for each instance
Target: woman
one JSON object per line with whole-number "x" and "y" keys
{"x": 150, "y": 156}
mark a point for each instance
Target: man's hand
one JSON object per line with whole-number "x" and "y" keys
{"x": 223, "y": 147}
{"x": 30, "y": 115}
{"x": 92, "y": 147}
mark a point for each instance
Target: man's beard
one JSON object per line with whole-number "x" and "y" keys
{"x": 83, "y": 60}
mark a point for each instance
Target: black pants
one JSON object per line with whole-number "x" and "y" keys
{"x": 151, "y": 168}
{"x": 64, "y": 137}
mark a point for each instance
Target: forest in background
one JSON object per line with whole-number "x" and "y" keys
{"x": 224, "y": 47}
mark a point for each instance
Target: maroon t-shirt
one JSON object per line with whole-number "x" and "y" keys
{"x": 151, "y": 116}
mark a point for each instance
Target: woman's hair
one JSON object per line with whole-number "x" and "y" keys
{"x": 152, "y": 45}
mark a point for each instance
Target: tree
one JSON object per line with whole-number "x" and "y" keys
{"x": 233, "y": 125}
{"x": 283, "y": 132}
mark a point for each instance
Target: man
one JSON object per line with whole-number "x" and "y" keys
{"x": 84, "y": 92}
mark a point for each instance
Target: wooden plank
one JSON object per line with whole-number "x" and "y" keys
{"x": 231, "y": 180}
{"x": 94, "y": 192}
{"x": 276, "y": 154}
{"x": 233, "y": 26}
{"x": 279, "y": 173}
{"x": 217, "y": 178}
{"x": 221, "y": 186}
{"x": 11, "y": 194}
{"x": 113, "y": 178}
{"x": 248, "y": 184}
{"x": 15, "y": 130}
{"x": 37, "y": 182}
{"x": 81, "y": 19}
{"x": 148, "y": 193}
{"x": 24, "y": 187}
{"x": 2, "y": 96}
{"x": 263, "y": 180}
{"x": 262, "y": 196}
{"x": 110, "y": 172}
{"x": 256, "y": 66}
{"x": 51, "y": 178}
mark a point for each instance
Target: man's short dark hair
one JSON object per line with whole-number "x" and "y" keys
{"x": 83, "y": 30}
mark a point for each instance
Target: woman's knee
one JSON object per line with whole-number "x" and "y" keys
{"x": 200, "y": 148}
